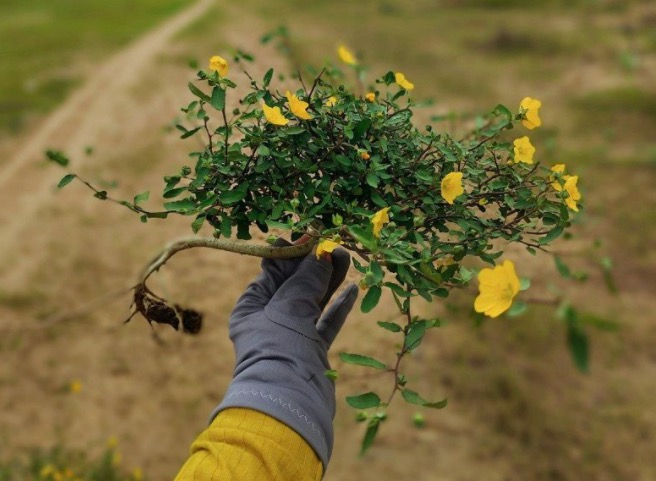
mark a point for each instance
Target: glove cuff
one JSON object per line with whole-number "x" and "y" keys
{"x": 289, "y": 406}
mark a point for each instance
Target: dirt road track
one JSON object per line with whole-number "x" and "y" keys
{"x": 91, "y": 116}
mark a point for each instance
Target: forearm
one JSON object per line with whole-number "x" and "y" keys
{"x": 243, "y": 444}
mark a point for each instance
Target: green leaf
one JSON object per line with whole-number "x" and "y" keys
{"x": 371, "y": 298}
{"x": 518, "y": 308}
{"x": 577, "y": 341}
{"x": 415, "y": 333}
{"x": 294, "y": 130}
{"x": 398, "y": 290}
{"x": 364, "y": 401}
{"x": 412, "y": 397}
{"x": 143, "y": 197}
{"x": 377, "y": 271}
{"x": 198, "y": 223}
{"x": 364, "y": 237}
{"x": 609, "y": 280}
{"x": 372, "y": 180}
{"x": 232, "y": 197}
{"x": 331, "y": 374}
{"x": 198, "y": 92}
{"x": 524, "y": 283}
{"x": 553, "y": 234}
{"x": 67, "y": 179}
{"x": 218, "y": 98}
{"x": 563, "y": 268}
{"x": 174, "y": 192}
{"x": 360, "y": 360}
{"x": 189, "y": 133}
{"x": 369, "y": 435}
{"x": 267, "y": 78}
{"x": 180, "y": 205}
{"x": 390, "y": 326}
{"x": 57, "y": 157}
{"x": 360, "y": 128}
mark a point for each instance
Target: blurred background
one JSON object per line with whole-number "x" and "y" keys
{"x": 104, "y": 82}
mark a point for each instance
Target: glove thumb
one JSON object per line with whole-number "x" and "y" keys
{"x": 333, "y": 319}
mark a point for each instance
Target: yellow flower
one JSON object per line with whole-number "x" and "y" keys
{"x": 297, "y": 106}
{"x": 529, "y": 107}
{"x": 370, "y": 97}
{"x": 570, "y": 186}
{"x": 365, "y": 155}
{"x": 219, "y": 64}
{"x": 331, "y": 102}
{"x": 558, "y": 168}
{"x": 137, "y": 474}
{"x": 572, "y": 190}
{"x": 498, "y": 287}
{"x": 346, "y": 55}
{"x": 47, "y": 470}
{"x": 524, "y": 150}
{"x": 116, "y": 459}
{"x": 452, "y": 186}
{"x": 326, "y": 245}
{"x": 403, "y": 82}
{"x": 274, "y": 115}
{"x": 75, "y": 386}
{"x": 112, "y": 442}
{"x": 379, "y": 219}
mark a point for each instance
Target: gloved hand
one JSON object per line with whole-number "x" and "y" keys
{"x": 281, "y": 341}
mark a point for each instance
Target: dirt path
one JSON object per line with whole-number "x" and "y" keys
{"x": 87, "y": 118}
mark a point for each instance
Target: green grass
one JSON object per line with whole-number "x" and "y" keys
{"x": 61, "y": 464}
{"x": 42, "y": 43}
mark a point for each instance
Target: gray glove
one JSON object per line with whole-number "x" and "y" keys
{"x": 281, "y": 342}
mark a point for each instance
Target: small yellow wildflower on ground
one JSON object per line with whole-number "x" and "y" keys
{"x": 498, "y": 287}
{"x": 370, "y": 97}
{"x": 326, "y": 245}
{"x": 297, "y": 106}
{"x": 346, "y": 56}
{"x": 75, "y": 386}
{"x": 112, "y": 442}
{"x": 403, "y": 82}
{"x": 274, "y": 115}
{"x": 452, "y": 186}
{"x": 219, "y": 64}
{"x": 379, "y": 219}
{"x": 137, "y": 474}
{"x": 530, "y": 107}
{"x": 332, "y": 101}
{"x": 524, "y": 150}
{"x": 47, "y": 470}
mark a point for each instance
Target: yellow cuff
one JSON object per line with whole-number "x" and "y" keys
{"x": 243, "y": 444}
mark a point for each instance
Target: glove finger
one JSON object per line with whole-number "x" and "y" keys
{"x": 333, "y": 319}
{"x": 296, "y": 304}
{"x": 341, "y": 261}
{"x": 274, "y": 273}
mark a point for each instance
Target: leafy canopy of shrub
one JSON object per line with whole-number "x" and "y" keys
{"x": 351, "y": 169}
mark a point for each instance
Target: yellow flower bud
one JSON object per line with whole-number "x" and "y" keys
{"x": 370, "y": 97}
{"x": 219, "y": 64}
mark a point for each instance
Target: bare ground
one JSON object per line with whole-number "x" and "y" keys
{"x": 518, "y": 408}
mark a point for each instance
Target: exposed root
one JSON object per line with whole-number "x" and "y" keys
{"x": 157, "y": 309}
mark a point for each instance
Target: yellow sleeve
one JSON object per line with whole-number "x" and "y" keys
{"x": 243, "y": 444}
